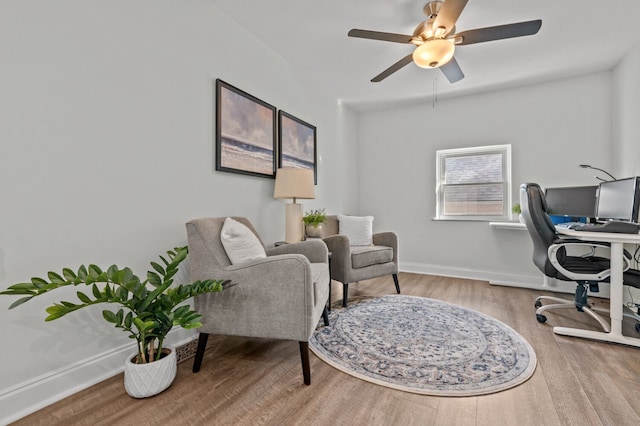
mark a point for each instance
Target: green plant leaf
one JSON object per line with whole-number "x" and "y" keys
{"x": 20, "y": 301}
{"x": 110, "y": 316}
{"x": 95, "y": 270}
{"x": 83, "y": 297}
{"x": 56, "y": 311}
{"x": 122, "y": 293}
{"x": 154, "y": 279}
{"x": 96, "y": 291}
{"x": 128, "y": 319}
{"x": 69, "y": 275}
{"x": 113, "y": 274}
{"x": 21, "y": 288}
{"x": 180, "y": 255}
{"x": 82, "y": 273}
{"x": 158, "y": 268}
{"x": 55, "y": 278}
{"x": 108, "y": 292}
{"x": 38, "y": 282}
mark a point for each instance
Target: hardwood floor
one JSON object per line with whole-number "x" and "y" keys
{"x": 249, "y": 381}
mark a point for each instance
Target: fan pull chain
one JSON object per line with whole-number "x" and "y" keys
{"x": 435, "y": 91}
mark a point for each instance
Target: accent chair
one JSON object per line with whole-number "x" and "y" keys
{"x": 351, "y": 263}
{"x": 281, "y": 295}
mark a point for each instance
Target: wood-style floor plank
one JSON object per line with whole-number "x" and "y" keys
{"x": 259, "y": 382}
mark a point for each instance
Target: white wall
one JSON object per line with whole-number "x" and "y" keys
{"x": 626, "y": 104}
{"x": 552, "y": 127}
{"x": 107, "y": 149}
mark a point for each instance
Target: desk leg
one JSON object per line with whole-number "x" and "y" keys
{"x": 615, "y": 304}
{"x": 616, "y": 288}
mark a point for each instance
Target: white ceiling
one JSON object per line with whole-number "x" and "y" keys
{"x": 577, "y": 37}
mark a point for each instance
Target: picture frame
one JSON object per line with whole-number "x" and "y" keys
{"x": 297, "y": 144}
{"x": 245, "y": 133}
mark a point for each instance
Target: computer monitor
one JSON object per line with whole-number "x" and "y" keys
{"x": 619, "y": 200}
{"x": 572, "y": 201}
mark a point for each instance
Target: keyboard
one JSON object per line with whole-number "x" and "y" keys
{"x": 568, "y": 225}
{"x": 612, "y": 226}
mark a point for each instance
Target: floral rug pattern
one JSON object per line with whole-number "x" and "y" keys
{"x": 424, "y": 346}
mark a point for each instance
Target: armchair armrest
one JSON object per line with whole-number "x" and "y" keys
{"x": 288, "y": 277}
{"x": 314, "y": 250}
{"x": 340, "y": 249}
{"x": 388, "y": 239}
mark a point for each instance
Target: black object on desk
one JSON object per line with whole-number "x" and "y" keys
{"x": 613, "y": 226}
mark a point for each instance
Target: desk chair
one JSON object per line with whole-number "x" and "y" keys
{"x": 550, "y": 256}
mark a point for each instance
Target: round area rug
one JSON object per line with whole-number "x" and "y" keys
{"x": 424, "y": 346}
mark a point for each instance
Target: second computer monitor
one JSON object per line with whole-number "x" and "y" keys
{"x": 573, "y": 201}
{"x": 619, "y": 200}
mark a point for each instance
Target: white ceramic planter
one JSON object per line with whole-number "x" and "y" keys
{"x": 144, "y": 380}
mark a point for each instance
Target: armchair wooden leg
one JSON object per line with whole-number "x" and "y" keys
{"x": 202, "y": 345}
{"x": 345, "y": 294}
{"x": 329, "y": 302}
{"x": 325, "y": 316}
{"x": 304, "y": 355}
{"x": 395, "y": 280}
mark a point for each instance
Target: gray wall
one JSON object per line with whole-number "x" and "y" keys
{"x": 552, "y": 127}
{"x": 107, "y": 149}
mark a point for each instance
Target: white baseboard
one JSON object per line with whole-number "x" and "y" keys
{"x": 528, "y": 281}
{"x": 536, "y": 282}
{"x": 25, "y": 398}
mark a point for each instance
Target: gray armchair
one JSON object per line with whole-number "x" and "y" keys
{"x": 281, "y": 296}
{"x": 356, "y": 263}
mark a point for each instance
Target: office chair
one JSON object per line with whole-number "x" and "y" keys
{"x": 550, "y": 256}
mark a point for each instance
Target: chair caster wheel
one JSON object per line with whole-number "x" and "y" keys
{"x": 537, "y": 304}
{"x": 541, "y": 318}
{"x": 638, "y": 327}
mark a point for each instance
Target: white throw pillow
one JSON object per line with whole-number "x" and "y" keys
{"x": 239, "y": 242}
{"x": 359, "y": 229}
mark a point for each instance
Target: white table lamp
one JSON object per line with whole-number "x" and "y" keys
{"x": 294, "y": 183}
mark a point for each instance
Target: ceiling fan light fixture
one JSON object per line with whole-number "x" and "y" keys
{"x": 433, "y": 53}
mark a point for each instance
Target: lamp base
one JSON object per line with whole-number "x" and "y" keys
{"x": 293, "y": 230}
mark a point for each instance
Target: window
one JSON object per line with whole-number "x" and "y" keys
{"x": 474, "y": 183}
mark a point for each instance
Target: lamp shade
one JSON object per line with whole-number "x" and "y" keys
{"x": 294, "y": 183}
{"x": 433, "y": 53}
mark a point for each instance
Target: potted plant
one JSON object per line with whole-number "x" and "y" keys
{"x": 517, "y": 210}
{"x": 313, "y": 221}
{"x": 148, "y": 311}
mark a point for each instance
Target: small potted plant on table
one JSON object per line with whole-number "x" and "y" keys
{"x": 313, "y": 221}
{"x": 148, "y": 311}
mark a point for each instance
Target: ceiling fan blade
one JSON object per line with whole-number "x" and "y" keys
{"x": 393, "y": 68}
{"x": 452, "y": 71}
{"x": 499, "y": 32}
{"x": 448, "y": 14}
{"x": 377, "y": 35}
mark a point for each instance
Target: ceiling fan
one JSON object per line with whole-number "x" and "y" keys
{"x": 435, "y": 39}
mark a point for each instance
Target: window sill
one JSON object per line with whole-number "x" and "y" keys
{"x": 508, "y": 225}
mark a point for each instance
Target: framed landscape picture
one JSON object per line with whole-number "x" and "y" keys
{"x": 296, "y": 143}
{"x": 245, "y": 133}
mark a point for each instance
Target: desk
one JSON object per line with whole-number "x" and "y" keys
{"x": 617, "y": 242}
